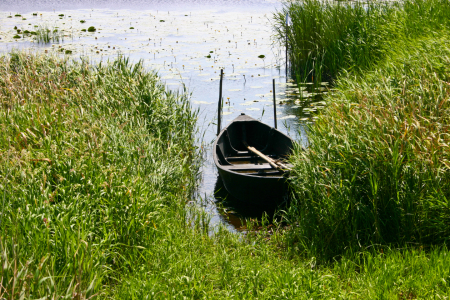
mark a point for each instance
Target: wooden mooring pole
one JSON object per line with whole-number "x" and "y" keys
{"x": 219, "y": 109}
{"x": 274, "y": 105}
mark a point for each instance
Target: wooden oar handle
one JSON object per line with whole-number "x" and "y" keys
{"x": 266, "y": 158}
{"x": 273, "y": 163}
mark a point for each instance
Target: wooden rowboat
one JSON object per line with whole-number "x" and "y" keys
{"x": 249, "y": 157}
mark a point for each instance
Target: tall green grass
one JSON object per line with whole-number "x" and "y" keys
{"x": 97, "y": 168}
{"x": 93, "y": 158}
{"x": 326, "y": 37}
{"x": 46, "y": 34}
{"x": 377, "y": 169}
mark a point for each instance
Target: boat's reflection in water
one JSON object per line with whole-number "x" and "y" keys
{"x": 236, "y": 212}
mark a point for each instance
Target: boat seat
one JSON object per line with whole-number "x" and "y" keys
{"x": 265, "y": 174}
{"x": 243, "y": 167}
{"x": 241, "y": 158}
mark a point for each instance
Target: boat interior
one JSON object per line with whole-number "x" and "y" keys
{"x": 233, "y": 154}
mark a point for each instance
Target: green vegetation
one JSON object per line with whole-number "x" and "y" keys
{"x": 377, "y": 169}
{"x": 98, "y": 167}
{"x": 376, "y": 173}
{"x": 91, "y": 29}
{"x": 95, "y": 162}
{"x": 45, "y": 34}
{"x": 82, "y": 21}
{"x": 17, "y": 36}
{"x": 328, "y": 36}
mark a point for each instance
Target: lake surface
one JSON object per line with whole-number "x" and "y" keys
{"x": 186, "y": 43}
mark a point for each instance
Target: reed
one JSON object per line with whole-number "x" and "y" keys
{"x": 93, "y": 158}
{"x": 326, "y": 37}
{"x": 377, "y": 169}
{"x": 45, "y": 34}
{"x": 98, "y": 164}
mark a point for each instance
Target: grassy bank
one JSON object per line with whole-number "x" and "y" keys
{"x": 94, "y": 159}
{"x": 325, "y": 37}
{"x": 96, "y": 176}
{"x": 377, "y": 169}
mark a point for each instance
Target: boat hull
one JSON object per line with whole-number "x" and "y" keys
{"x": 255, "y": 191}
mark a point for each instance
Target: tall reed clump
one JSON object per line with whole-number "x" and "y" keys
{"x": 93, "y": 161}
{"x": 325, "y": 37}
{"x": 45, "y": 34}
{"x": 377, "y": 170}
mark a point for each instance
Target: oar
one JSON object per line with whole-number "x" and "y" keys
{"x": 276, "y": 164}
{"x": 273, "y": 163}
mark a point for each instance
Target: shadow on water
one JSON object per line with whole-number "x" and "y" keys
{"x": 236, "y": 212}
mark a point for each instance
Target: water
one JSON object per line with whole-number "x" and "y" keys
{"x": 187, "y": 43}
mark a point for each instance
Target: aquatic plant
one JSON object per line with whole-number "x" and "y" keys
{"x": 325, "y": 37}
{"x": 97, "y": 168}
{"x": 45, "y": 34}
{"x": 82, "y": 21}
{"x": 377, "y": 168}
{"x": 94, "y": 160}
{"x": 91, "y": 29}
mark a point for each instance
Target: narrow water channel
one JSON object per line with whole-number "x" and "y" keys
{"x": 187, "y": 43}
